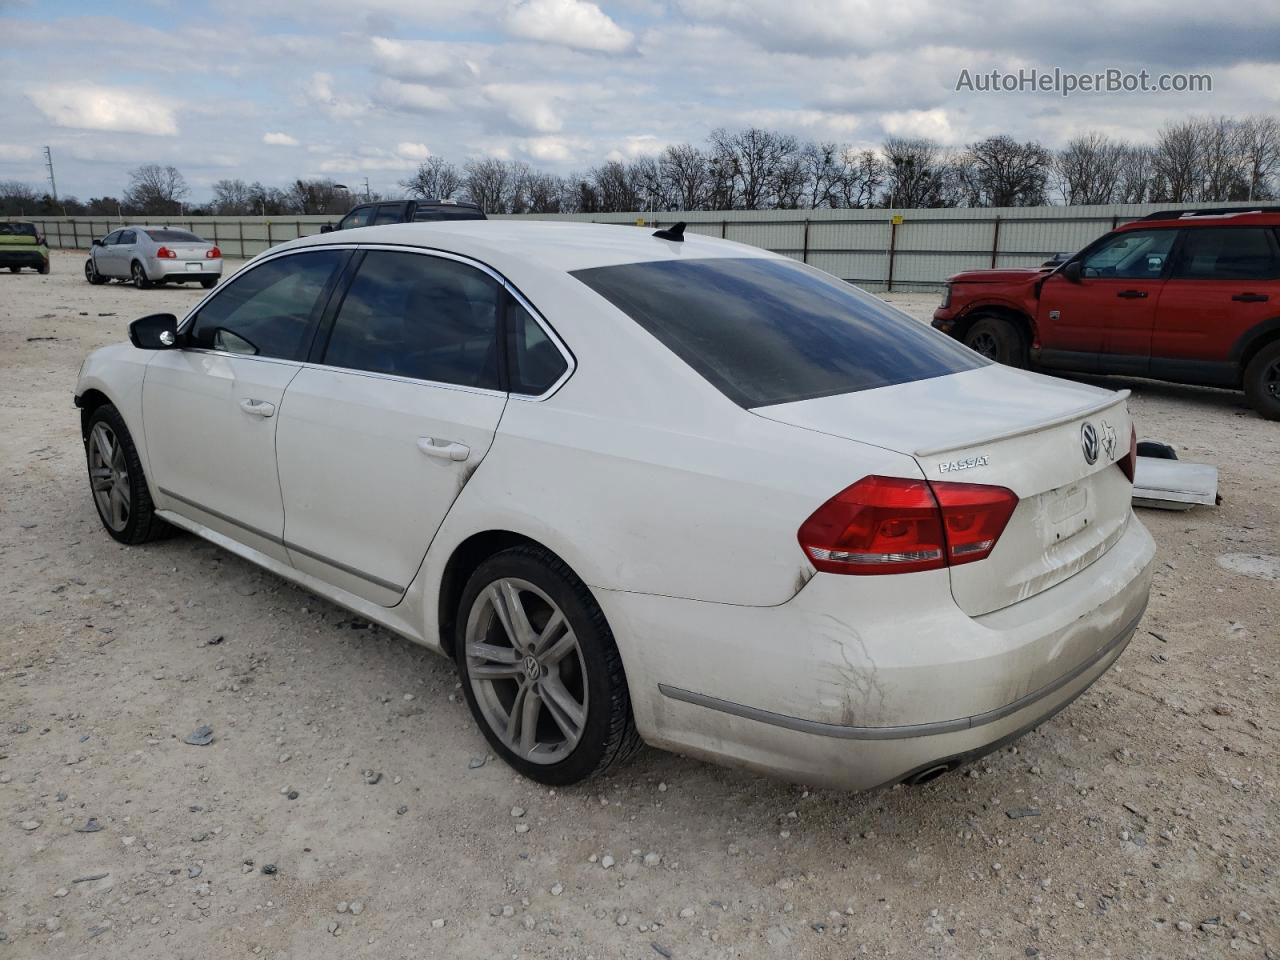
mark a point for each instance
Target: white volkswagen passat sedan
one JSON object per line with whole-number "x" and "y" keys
{"x": 678, "y": 491}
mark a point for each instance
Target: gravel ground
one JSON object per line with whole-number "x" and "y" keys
{"x": 1140, "y": 822}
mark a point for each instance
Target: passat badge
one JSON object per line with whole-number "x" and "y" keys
{"x": 968, "y": 463}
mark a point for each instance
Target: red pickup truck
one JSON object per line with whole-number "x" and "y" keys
{"x": 1191, "y": 296}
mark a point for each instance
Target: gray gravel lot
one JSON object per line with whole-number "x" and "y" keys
{"x": 1141, "y": 822}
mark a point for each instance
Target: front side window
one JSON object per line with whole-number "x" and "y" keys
{"x": 1227, "y": 253}
{"x": 268, "y": 311}
{"x": 1132, "y": 255}
{"x": 766, "y": 331}
{"x": 534, "y": 363}
{"x": 418, "y": 316}
{"x": 111, "y": 238}
{"x": 359, "y": 217}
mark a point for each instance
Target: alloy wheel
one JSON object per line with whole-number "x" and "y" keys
{"x": 985, "y": 344}
{"x": 109, "y": 476}
{"x": 1271, "y": 380}
{"x": 139, "y": 278}
{"x": 526, "y": 670}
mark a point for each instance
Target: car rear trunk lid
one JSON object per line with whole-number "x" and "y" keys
{"x": 1010, "y": 428}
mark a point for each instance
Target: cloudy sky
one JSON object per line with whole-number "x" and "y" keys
{"x": 275, "y": 89}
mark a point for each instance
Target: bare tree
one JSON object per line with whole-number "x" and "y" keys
{"x": 754, "y": 160}
{"x": 1178, "y": 162}
{"x": 1001, "y": 172}
{"x": 18, "y": 198}
{"x": 488, "y": 182}
{"x": 1222, "y": 160}
{"x": 1260, "y": 151}
{"x": 435, "y": 179}
{"x": 915, "y": 173}
{"x": 684, "y": 171}
{"x": 318, "y": 197}
{"x": 614, "y": 188}
{"x": 1136, "y": 181}
{"x": 232, "y": 198}
{"x": 156, "y": 189}
{"x": 861, "y": 176}
{"x": 1088, "y": 169}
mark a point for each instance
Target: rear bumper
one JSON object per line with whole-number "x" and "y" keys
{"x": 158, "y": 268}
{"x": 23, "y": 257}
{"x": 861, "y": 685}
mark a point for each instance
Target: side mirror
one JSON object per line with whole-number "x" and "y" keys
{"x": 326, "y": 228}
{"x": 1072, "y": 271}
{"x": 159, "y": 331}
{"x": 97, "y": 241}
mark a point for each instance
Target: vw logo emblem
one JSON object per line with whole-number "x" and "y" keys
{"x": 531, "y": 668}
{"x": 1089, "y": 442}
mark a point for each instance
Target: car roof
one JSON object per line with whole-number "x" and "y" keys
{"x": 559, "y": 245}
{"x": 1244, "y": 216}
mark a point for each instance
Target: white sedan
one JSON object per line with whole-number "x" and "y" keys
{"x": 656, "y": 488}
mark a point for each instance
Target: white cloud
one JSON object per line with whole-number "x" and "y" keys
{"x": 933, "y": 124}
{"x": 320, "y": 92}
{"x": 277, "y": 139}
{"x": 412, "y": 151}
{"x": 440, "y": 64}
{"x": 105, "y": 108}
{"x": 12, "y": 152}
{"x": 412, "y": 97}
{"x": 571, "y": 23}
{"x": 529, "y": 107}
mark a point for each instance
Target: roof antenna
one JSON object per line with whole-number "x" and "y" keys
{"x": 674, "y": 232}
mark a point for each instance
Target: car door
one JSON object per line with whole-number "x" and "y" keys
{"x": 1223, "y": 283}
{"x": 379, "y": 435}
{"x": 210, "y": 409}
{"x": 122, "y": 253}
{"x": 359, "y": 217}
{"x": 101, "y": 254}
{"x": 1103, "y": 322}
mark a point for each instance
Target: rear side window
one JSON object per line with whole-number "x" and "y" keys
{"x": 534, "y": 363}
{"x": 268, "y": 311}
{"x": 390, "y": 214}
{"x": 173, "y": 236}
{"x": 1231, "y": 253}
{"x": 768, "y": 331}
{"x": 418, "y": 316}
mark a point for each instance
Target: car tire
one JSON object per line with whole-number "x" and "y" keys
{"x": 44, "y": 268}
{"x": 138, "y": 274}
{"x": 116, "y": 481}
{"x": 15, "y": 269}
{"x": 581, "y": 722}
{"x": 208, "y": 284}
{"x": 997, "y": 339}
{"x": 1262, "y": 381}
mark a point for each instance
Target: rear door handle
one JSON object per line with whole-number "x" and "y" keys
{"x": 1132, "y": 294}
{"x": 1251, "y": 297}
{"x": 257, "y": 408}
{"x": 444, "y": 449}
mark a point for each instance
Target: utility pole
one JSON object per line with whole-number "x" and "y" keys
{"x": 367, "y": 195}
{"x": 48, "y": 162}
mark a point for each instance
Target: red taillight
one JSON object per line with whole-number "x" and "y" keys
{"x": 896, "y": 525}
{"x": 213, "y": 253}
{"x": 164, "y": 253}
{"x": 1129, "y": 462}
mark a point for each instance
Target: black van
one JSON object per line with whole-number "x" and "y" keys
{"x": 406, "y": 211}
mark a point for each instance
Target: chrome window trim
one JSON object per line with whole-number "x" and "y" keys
{"x": 571, "y": 362}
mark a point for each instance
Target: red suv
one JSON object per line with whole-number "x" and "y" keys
{"x": 1191, "y": 296}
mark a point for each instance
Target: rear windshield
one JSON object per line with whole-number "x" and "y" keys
{"x": 173, "y": 236}
{"x": 17, "y": 230}
{"x": 773, "y": 331}
{"x": 448, "y": 213}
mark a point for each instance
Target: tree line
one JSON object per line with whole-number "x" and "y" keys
{"x": 1199, "y": 159}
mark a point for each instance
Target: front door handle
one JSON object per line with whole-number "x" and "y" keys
{"x": 1132, "y": 294}
{"x": 257, "y": 408}
{"x": 444, "y": 449}
{"x": 1251, "y": 297}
